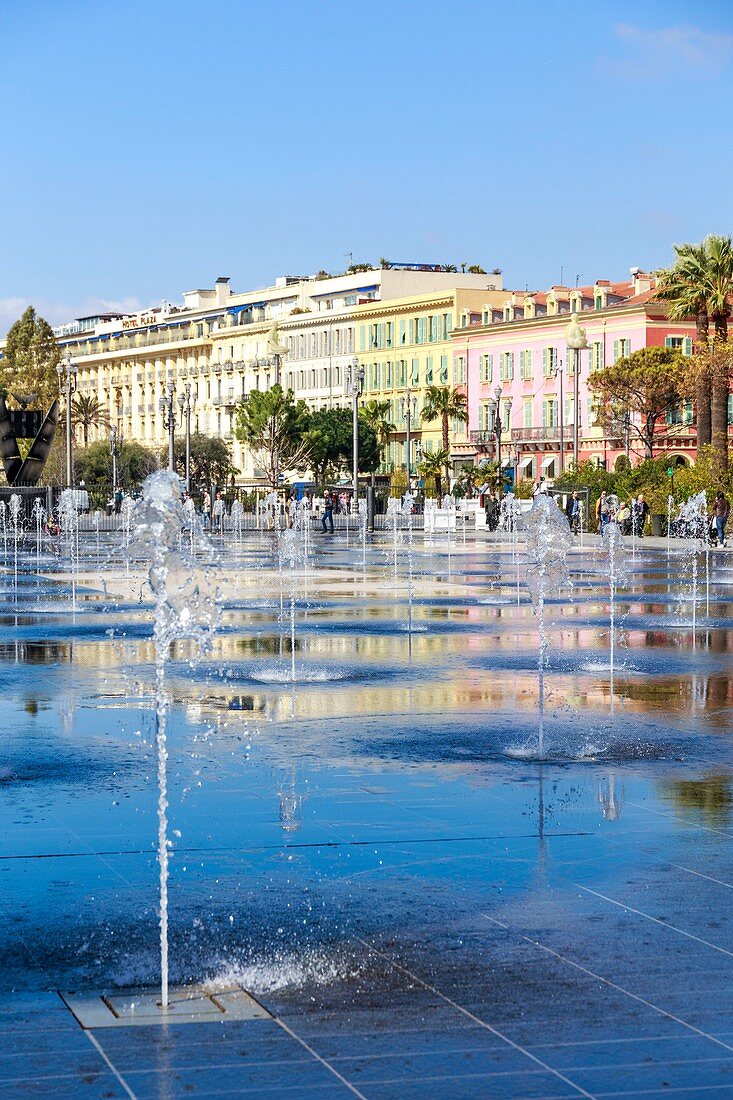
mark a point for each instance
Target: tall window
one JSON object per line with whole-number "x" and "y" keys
{"x": 444, "y": 370}
{"x": 621, "y": 348}
{"x": 527, "y": 412}
{"x": 506, "y": 366}
{"x": 549, "y": 413}
{"x": 525, "y": 365}
{"x": 486, "y": 368}
{"x": 549, "y": 362}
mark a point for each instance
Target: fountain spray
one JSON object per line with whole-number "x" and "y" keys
{"x": 184, "y": 608}
{"x": 548, "y": 538}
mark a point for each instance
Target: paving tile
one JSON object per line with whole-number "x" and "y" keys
{"x": 216, "y": 1080}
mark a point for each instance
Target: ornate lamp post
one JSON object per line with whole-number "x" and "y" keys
{"x": 577, "y": 341}
{"x": 498, "y": 426}
{"x": 114, "y": 452}
{"x": 169, "y": 420}
{"x": 67, "y": 371}
{"x": 186, "y": 402}
{"x": 409, "y": 409}
{"x": 355, "y": 379}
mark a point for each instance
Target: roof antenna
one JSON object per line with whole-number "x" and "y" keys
{"x": 562, "y": 269}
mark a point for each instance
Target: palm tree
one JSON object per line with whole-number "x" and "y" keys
{"x": 720, "y": 290}
{"x": 701, "y": 285}
{"x": 88, "y": 412}
{"x": 432, "y": 466}
{"x": 376, "y": 413}
{"x": 445, "y": 403}
{"x": 684, "y": 288}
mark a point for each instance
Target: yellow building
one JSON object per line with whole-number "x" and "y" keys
{"x": 404, "y": 346}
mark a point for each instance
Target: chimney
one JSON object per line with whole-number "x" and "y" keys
{"x": 222, "y": 290}
{"x": 643, "y": 281}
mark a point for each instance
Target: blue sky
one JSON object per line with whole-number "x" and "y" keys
{"x": 150, "y": 147}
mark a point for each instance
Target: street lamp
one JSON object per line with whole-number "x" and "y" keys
{"x": 186, "y": 402}
{"x": 355, "y": 378}
{"x": 169, "y": 420}
{"x": 576, "y": 340}
{"x": 409, "y": 409}
{"x": 67, "y": 371}
{"x": 113, "y": 450}
{"x": 558, "y": 375}
{"x": 499, "y": 427}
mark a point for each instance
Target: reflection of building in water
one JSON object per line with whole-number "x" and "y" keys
{"x": 709, "y": 796}
{"x": 610, "y": 797}
{"x": 290, "y": 801}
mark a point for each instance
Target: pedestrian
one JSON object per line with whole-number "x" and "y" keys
{"x": 492, "y": 511}
{"x": 623, "y": 518}
{"x": 218, "y": 514}
{"x": 574, "y": 511}
{"x": 327, "y": 517}
{"x": 721, "y": 511}
{"x": 603, "y": 512}
{"x": 206, "y": 508}
{"x": 639, "y": 516}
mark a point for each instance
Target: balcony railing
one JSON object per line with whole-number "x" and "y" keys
{"x": 543, "y": 435}
{"x": 484, "y": 436}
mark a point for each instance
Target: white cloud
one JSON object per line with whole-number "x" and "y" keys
{"x": 668, "y": 50}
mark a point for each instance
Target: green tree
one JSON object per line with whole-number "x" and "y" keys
{"x": 476, "y": 269}
{"x": 639, "y": 390}
{"x": 443, "y": 403}
{"x": 330, "y": 440}
{"x": 431, "y": 467}
{"x": 700, "y": 285}
{"x": 376, "y": 414}
{"x": 274, "y": 426}
{"x": 93, "y": 466}
{"x": 211, "y": 461}
{"x": 88, "y": 412}
{"x": 30, "y": 360}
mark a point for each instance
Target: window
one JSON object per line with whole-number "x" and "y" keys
{"x": 486, "y": 315}
{"x": 679, "y": 343}
{"x": 596, "y": 356}
{"x": 506, "y": 366}
{"x": 484, "y": 416}
{"x": 507, "y": 313}
{"x": 506, "y": 412}
{"x": 551, "y": 306}
{"x": 429, "y": 371}
{"x": 525, "y": 365}
{"x": 549, "y": 413}
{"x": 402, "y": 372}
{"x": 549, "y": 362}
{"x": 415, "y": 372}
{"x": 388, "y": 376}
{"x": 598, "y": 301}
{"x": 388, "y": 338}
{"x": 527, "y": 412}
{"x": 362, "y": 337}
{"x": 529, "y": 309}
{"x": 447, "y": 325}
{"x": 621, "y": 348}
{"x": 403, "y": 332}
{"x": 486, "y": 368}
{"x": 444, "y": 370}
{"x": 465, "y": 318}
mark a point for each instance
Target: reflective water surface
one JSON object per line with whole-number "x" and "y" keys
{"x": 377, "y": 842}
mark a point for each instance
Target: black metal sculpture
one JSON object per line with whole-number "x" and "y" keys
{"x": 26, "y": 423}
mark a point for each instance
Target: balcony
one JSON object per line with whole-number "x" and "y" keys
{"x": 543, "y": 439}
{"x": 485, "y": 438}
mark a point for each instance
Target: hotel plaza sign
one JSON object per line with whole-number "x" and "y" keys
{"x": 141, "y": 320}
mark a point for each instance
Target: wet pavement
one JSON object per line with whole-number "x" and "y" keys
{"x": 374, "y": 851}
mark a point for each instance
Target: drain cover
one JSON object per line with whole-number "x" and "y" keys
{"x": 186, "y": 1005}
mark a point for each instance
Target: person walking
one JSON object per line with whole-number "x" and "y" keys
{"x": 573, "y": 512}
{"x": 639, "y": 516}
{"x": 721, "y": 511}
{"x": 206, "y": 509}
{"x": 327, "y": 512}
{"x": 603, "y": 512}
{"x": 218, "y": 517}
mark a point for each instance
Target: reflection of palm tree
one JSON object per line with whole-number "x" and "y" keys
{"x": 88, "y": 412}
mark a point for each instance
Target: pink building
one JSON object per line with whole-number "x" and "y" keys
{"x": 520, "y": 349}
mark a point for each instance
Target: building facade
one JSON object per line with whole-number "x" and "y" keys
{"x": 518, "y": 355}
{"x": 215, "y": 347}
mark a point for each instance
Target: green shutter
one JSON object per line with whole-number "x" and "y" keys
{"x": 544, "y": 362}
{"x": 687, "y": 346}
{"x": 615, "y": 351}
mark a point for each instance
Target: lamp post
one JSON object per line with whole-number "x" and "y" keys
{"x": 186, "y": 401}
{"x": 558, "y": 375}
{"x": 409, "y": 408}
{"x": 67, "y": 371}
{"x": 576, "y": 341}
{"x": 113, "y": 452}
{"x": 499, "y": 428}
{"x": 353, "y": 389}
{"x": 169, "y": 420}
